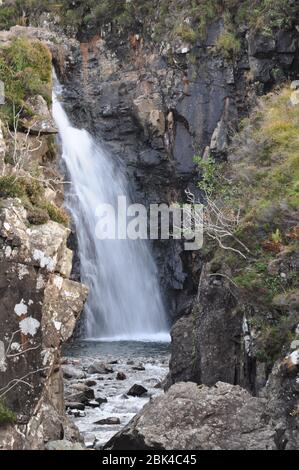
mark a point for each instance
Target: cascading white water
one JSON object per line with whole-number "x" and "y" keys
{"x": 125, "y": 301}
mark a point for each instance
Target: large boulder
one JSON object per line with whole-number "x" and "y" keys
{"x": 182, "y": 366}
{"x": 192, "y": 417}
{"x": 39, "y": 310}
{"x": 41, "y": 121}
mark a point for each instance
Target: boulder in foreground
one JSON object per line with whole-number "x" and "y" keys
{"x": 192, "y": 417}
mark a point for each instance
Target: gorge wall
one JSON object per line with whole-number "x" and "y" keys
{"x": 40, "y": 305}
{"x": 155, "y": 104}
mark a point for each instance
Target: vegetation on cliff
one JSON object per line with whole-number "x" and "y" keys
{"x": 6, "y": 415}
{"x": 187, "y": 19}
{"x": 26, "y": 70}
{"x": 261, "y": 180}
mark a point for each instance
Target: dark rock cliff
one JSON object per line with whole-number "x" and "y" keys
{"x": 156, "y": 106}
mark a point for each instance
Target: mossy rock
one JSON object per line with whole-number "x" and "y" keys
{"x": 26, "y": 70}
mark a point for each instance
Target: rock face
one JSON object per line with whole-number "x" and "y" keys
{"x": 206, "y": 345}
{"x": 42, "y": 121}
{"x": 156, "y": 107}
{"x": 40, "y": 307}
{"x": 191, "y": 417}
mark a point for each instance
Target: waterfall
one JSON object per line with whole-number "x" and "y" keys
{"x": 124, "y": 301}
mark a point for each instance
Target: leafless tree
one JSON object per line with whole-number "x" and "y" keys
{"x": 22, "y": 150}
{"x": 9, "y": 354}
{"x": 218, "y": 223}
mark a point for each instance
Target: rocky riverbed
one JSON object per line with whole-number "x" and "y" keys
{"x": 107, "y": 384}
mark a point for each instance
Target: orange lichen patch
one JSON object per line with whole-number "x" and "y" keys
{"x": 84, "y": 47}
{"x": 88, "y": 49}
{"x": 272, "y": 246}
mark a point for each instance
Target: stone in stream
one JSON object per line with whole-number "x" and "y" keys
{"x": 80, "y": 393}
{"x": 137, "y": 391}
{"x": 75, "y": 405}
{"x": 90, "y": 383}
{"x": 71, "y": 372}
{"x": 99, "y": 368}
{"x": 93, "y": 404}
{"x": 139, "y": 367}
{"x": 87, "y": 391}
{"x": 77, "y": 413}
{"x": 121, "y": 376}
{"x": 108, "y": 421}
{"x": 101, "y": 400}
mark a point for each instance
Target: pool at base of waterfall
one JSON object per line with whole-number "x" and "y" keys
{"x": 98, "y": 378}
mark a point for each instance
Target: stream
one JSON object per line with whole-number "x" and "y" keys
{"x": 143, "y": 363}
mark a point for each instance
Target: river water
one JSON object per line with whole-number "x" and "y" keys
{"x": 121, "y": 356}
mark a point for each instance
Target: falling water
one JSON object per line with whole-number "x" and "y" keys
{"x": 124, "y": 301}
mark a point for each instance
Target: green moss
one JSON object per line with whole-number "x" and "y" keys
{"x": 56, "y": 214}
{"x": 7, "y": 416}
{"x": 228, "y": 44}
{"x": 273, "y": 338}
{"x": 31, "y": 193}
{"x": 26, "y": 70}
{"x": 11, "y": 187}
{"x": 36, "y": 215}
{"x": 187, "y": 33}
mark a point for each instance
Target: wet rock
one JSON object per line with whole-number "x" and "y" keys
{"x": 139, "y": 367}
{"x": 64, "y": 445}
{"x": 90, "y": 441}
{"x": 82, "y": 388}
{"x": 137, "y": 391}
{"x": 108, "y": 421}
{"x": 99, "y": 368}
{"x": 75, "y": 406}
{"x": 77, "y": 413}
{"x": 72, "y": 372}
{"x": 224, "y": 417}
{"x": 101, "y": 400}
{"x": 77, "y": 397}
{"x": 90, "y": 383}
{"x": 80, "y": 393}
{"x": 121, "y": 376}
{"x": 93, "y": 404}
